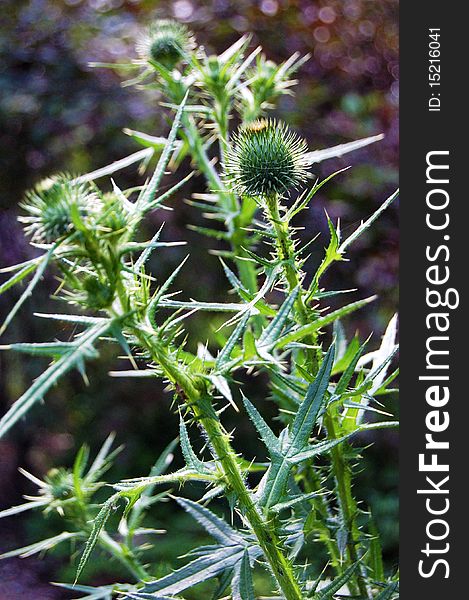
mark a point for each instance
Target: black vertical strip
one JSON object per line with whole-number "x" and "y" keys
{"x": 434, "y": 272}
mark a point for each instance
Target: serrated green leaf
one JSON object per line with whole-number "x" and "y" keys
{"x": 190, "y": 457}
{"x": 82, "y": 348}
{"x": 276, "y": 478}
{"x": 310, "y": 408}
{"x": 327, "y": 592}
{"x": 271, "y": 333}
{"x": 242, "y": 586}
{"x": 199, "y": 570}
{"x": 306, "y": 330}
{"x": 224, "y": 355}
{"x": 388, "y": 592}
{"x": 41, "y": 546}
{"x": 319, "y": 448}
{"x": 364, "y": 226}
{"x": 293, "y": 501}
{"x": 40, "y": 267}
{"x": 216, "y": 527}
{"x": 98, "y": 525}
{"x": 267, "y": 435}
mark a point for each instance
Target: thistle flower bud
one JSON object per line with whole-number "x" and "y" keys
{"x": 266, "y": 159}
{"x": 166, "y": 43}
{"x": 51, "y": 204}
{"x": 59, "y": 484}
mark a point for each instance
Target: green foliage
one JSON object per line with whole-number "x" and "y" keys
{"x": 324, "y": 396}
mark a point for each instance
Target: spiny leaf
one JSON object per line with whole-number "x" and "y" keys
{"x": 275, "y": 481}
{"x": 14, "y": 510}
{"x": 306, "y": 330}
{"x": 146, "y": 197}
{"x": 190, "y": 457}
{"x": 142, "y": 259}
{"x": 242, "y": 585}
{"x": 98, "y": 524}
{"x": 199, "y": 570}
{"x": 140, "y": 156}
{"x": 272, "y": 332}
{"x": 209, "y": 306}
{"x": 311, "y": 406}
{"x": 40, "y": 268}
{"x": 52, "y": 349}
{"x": 267, "y": 435}
{"x": 41, "y": 546}
{"x": 319, "y": 448}
{"x": 388, "y": 592}
{"x": 17, "y": 277}
{"x": 349, "y": 371}
{"x": 165, "y": 286}
{"x": 332, "y": 254}
{"x": 327, "y": 592}
{"x": 293, "y": 501}
{"x": 304, "y": 199}
{"x": 364, "y": 226}
{"x": 224, "y": 355}
{"x": 82, "y": 348}
{"x": 215, "y": 526}
{"x": 336, "y": 151}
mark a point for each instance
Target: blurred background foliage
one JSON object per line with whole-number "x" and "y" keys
{"x": 57, "y": 113}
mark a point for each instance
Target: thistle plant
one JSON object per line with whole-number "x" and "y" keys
{"x": 327, "y": 388}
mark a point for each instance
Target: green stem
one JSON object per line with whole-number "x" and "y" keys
{"x": 193, "y": 392}
{"x": 347, "y": 504}
{"x": 312, "y": 483}
{"x": 124, "y": 555}
{"x": 286, "y": 254}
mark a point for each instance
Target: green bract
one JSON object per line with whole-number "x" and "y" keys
{"x": 266, "y": 159}
{"x": 167, "y": 43}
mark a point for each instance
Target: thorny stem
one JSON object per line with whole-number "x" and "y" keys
{"x": 286, "y": 253}
{"x": 312, "y": 483}
{"x": 347, "y": 503}
{"x": 197, "y": 399}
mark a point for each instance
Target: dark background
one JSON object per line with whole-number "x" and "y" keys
{"x": 57, "y": 114}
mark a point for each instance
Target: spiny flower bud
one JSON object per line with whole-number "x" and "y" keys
{"x": 167, "y": 43}
{"x": 51, "y": 204}
{"x": 59, "y": 484}
{"x": 266, "y": 159}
